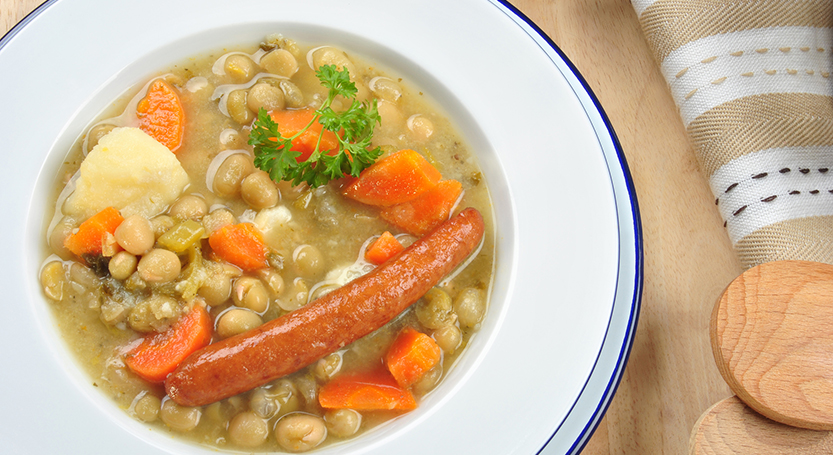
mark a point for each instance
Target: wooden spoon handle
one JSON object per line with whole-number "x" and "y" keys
{"x": 772, "y": 339}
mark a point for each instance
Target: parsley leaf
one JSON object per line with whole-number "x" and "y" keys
{"x": 353, "y": 128}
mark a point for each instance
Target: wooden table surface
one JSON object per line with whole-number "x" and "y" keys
{"x": 671, "y": 377}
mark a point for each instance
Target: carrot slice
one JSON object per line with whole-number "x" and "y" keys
{"x": 160, "y": 353}
{"x": 383, "y": 248}
{"x": 411, "y": 355}
{"x": 161, "y": 114}
{"x": 420, "y": 216}
{"x": 290, "y": 122}
{"x": 89, "y": 239}
{"x": 397, "y": 178}
{"x": 372, "y": 391}
{"x": 240, "y": 244}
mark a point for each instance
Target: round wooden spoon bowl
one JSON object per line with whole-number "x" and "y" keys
{"x": 772, "y": 338}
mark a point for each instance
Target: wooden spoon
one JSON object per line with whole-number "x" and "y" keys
{"x": 772, "y": 338}
{"x": 730, "y": 427}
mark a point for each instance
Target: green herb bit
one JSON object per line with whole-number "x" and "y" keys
{"x": 353, "y": 128}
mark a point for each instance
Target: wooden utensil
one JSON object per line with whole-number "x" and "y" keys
{"x": 772, "y": 338}
{"x": 731, "y": 427}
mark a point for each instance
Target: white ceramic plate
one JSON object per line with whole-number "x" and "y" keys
{"x": 542, "y": 370}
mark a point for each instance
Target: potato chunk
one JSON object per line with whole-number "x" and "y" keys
{"x": 128, "y": 170}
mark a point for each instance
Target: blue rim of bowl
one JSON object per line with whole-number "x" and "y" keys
{"x": 594, "y": 107}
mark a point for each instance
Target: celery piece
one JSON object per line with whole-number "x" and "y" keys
{"x": 180, "y": 237}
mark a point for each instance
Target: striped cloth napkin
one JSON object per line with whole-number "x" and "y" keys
{"x": 753, "y": 84}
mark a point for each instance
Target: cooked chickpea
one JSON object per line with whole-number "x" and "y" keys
{"x": 240, "y": 68}
{"x": 308, "y": 260}
{"x": 159, "y": 266}
{"x": 343, "y": 422}
{"x": 161, "y": 224}
{"x": 83, "y": 276}
{"x": 265, "y": 96}
{"x": 259, "y": 191}
{"x": 392, "y": 119}
{"x": 421, "y": 127}
{"x": 385, "y": 89}
{"x": 54, "y": 281}
{"x": 248, "y": 430}
{"x": 237, "y": 107}
{"x": 280, "y": 62}
{"x": 179, "y": 418}
{"x": 300, "y": 432}
{"x": 231, "y": 173}
{"x": 59, "y": 233}
{"x": 434, "y": 309}
{"x": 470, "y": 306}
{"x": 249, "y": 292}
{"x": 327, "y": 367}
{"x": 135, "y": 235}
{"x": 122, "y": 265}
{"x": 217, "y": 219}
{"x": 448, "y": 338}
{"x": 297, "y": 296}
{"x": 216, "y": 289}
{"x": 188, "y": 207}
{"x": 236, "y": 321}
{"x": 273, "y": 281}
{"x": 292, "y": 95}
{"x": 428, "y": 381}
{"x": 147, "y": 407}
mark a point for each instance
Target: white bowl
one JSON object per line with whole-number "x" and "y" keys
{"x": 542, "y": 370}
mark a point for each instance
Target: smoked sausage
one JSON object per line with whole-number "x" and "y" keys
{"x": 295, "y": 340}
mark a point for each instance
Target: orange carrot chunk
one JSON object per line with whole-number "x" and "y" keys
{"x": 373, "y": 391}
{"x": 397, "y": 178}
{"x": 89, "y": 239}
{"x": 420, "y": 216}
{"x": 160, "y": 353}
{"x": 383, "y": 248}
{"x": 411, "y": 355}
{"x": 161, "y": 114}
{"x": 240, "y": 244}
{"x": 290, "y": 122}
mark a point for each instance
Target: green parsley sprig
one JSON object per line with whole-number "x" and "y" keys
{"x": 353, "y": 128}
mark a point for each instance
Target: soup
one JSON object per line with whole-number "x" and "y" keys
{"x": 242, "y": 191}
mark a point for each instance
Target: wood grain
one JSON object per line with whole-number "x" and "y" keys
{"x": 671, "y": 378}
{"x": 730, "y": 427}
{"x": 772, "y": 337}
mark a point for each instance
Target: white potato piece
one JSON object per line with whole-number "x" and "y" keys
{"x": 128, "y": 170}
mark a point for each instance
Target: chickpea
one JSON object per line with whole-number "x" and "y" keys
{"x": 83, "y": 277}
{"x": 217, "y": 219}
{"x": 385, "y": 89}
{"x": 448, "y": 338}
{"x": 231, "y": 173}
{"x": 327, "y": 367}
{"x": 236, "y": 321}
{"x": 280, "y": 62}
{"x": 265, "y": 96}
{"x": 237, "y": 106}
{"x": 216, "y": 289}
{"x": 122, "y": 265}
{"x": 146, "y": 407}
{"x": 421, "y": 127}
{"x": 248, "y": 430}
{"x": 392, "y": 119}
{"x": 343, "y": 422}
{"x": 159, "y": 266}
{"x": 275, "y": 399}
{"x": 59, "y": 233}
{"x": 161, "y": 224}
{"x": 259, "y": 191}
{"x": 273, "y": 281}
{"x": 53, "y": 280}
{"x": 179, "y": 418}
{"x": 187, "y": 207}
{"x": 249, "y": 292}
{"x": 308, "y": 260}
{"x": 300, "y": 432}
{"x": 298, "y": 295}
{"x": 470, "y": 306}
{"x": 292, "y": 95}
{"x": 429, "y": 380}
{"x": 434, "y": 309}
{"x": 240, "y": 67}
{"x": 135, "y": 235}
